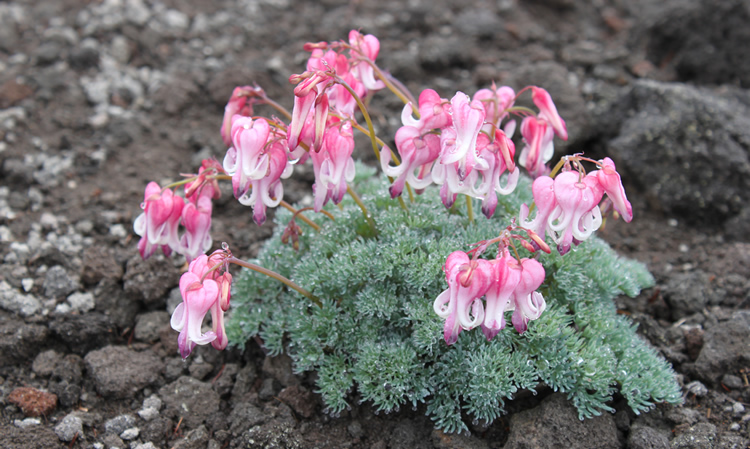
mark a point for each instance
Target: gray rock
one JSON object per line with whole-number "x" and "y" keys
{"x": 244, "y": 381}
{"x": 58, "y": 283}
{"x": 554, "y": 424}
{"x": 273, "y": 434}
{"x": 732, "y": 382}
{"x": 149, "y": 325}
{"x": 69, "y": 427}
{"x": 130, "y": 434}
{"x": 189, "y": 398}
{"x": 244, "y": 416}
{"x": 119, "y": 424}
{"x": 676, "y": 141}
{"x": 20, "y": 341}
{"x": 150, "y": 280}
{"x": 66, "y": 380}
{"x": 705, "y": 41}
{"x": 688, "y": 293}
{"x": 14, "y": 301}
{"x": 195, "y": 439}
{"x": 45, "y": 362}
{"x": 81, "y": 302}
{"x": 700, "y": 436}
{"x": 642, "y": 437}
{"x": 120, "y": 372}
{"x": 82, "y": 333}
{"x": 725, "y": 349}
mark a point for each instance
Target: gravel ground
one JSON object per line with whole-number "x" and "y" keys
{"x": 97, "y": 98}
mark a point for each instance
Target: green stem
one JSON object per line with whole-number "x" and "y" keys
{"x": 278, "y": 277}
{"x": 469, "y": 209}
{"x": 297, "y": 213}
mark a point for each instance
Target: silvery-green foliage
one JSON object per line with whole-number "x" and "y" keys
{"x": 376, "y": 337}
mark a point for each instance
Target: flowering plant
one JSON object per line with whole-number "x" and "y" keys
{"x": 351, "y": 299}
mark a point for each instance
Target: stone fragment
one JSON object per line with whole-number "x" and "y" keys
{"x": 120, "y": 372}
{"x": 33, "y": 402}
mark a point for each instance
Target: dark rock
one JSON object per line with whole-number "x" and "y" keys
{"x": 725, "y": 349}
{"x": 268, "y": 389}
{"x": 244, "y": 416}
{"x": 280, "y": 368}
{"x": 200, "y": 370}
{"x": 111, "y": 300}
{"x": 406, "y": 434}
{"x": 119, "y": 424}
{"x": 224, "y": 381}
{"x": 98, "y": 263}
{"x": 299, "y": 399}
{"x": 195, "y": 439}
{"x": 244, "y": 381}
{"x": 36, "y": 437}
{"x": 554, "y": 424}
{"x": 33, "y": 402}
{"x": 44, "y": 363}
{"x": 120, "y": 372}
{"x": 175, "y": 368}
{"x": 700, "y": 436}
{"x": 189, "y": 398}
{"x": 84, "y": 57}
{"x": 58, "y": 283}
{"x": 694, "y": 342}
{"x": 442, "y": 440}
{"x": 642, "y": 437}
{"x": 157, "y": 430}
{"x": 83, "y": 333}
{"x": 705, "y": 41}
{"x": 151, "y": 279}
{"x": 732, "y": 382}
{"x": 66, "y": 380}
{"x": 149, "y": 325}
{"x": 676, "y": 140}
{"x": 688, "y": 293}
{"x": 281, "y": 434}
{"x": 20, "y": 341}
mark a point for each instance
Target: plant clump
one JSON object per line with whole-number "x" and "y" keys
{"x": 376, "y": 332}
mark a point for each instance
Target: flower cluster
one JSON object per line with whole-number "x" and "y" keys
{"x": 163, "y": 212}
{"x": 464, "y": 145}
{"x": 507, "y": 283}
{"x": 568, "y": 205}
{"x": 205, "y": 286}
{"x": 460, "y": 145}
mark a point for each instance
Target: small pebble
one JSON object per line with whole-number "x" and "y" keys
{"x": 697, "y": 388}
{"x": 738, "y": 408}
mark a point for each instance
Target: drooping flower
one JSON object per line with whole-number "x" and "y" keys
{"x": 468, "y": 117}
{"x": 267, "y": 191}
{"x": 461, "y": 304}
{"x": 506, "y": 274}
{"x": 610, "y": 181}
{"x": 158, "y": 223}
{"x": 527, "y": 302}
{"x": 496, "y": 102}
{"x": 246, "y": 161}
{"x": 434, "y": 112}
{"x": 498, "y": 154}
{"x": 333, "y": 164}
{"x": 365, "y": 46}
{"x": 237, "y": 105}
{"x": 577, "y": 214}
{"x": 196, "y": 218}
{"x": 198, "y": 297}
{"x": 538, "y": 137}
{"x": 548, "y": 112}
{"x": 418, "y": 152}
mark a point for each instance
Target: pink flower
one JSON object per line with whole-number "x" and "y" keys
{"x": 333, "y": 165}
{"x": 237, "y": 104}
{"x": 498, "y": 154}
{"x": 539, "y": 148}
{"x": 527, "y": 302}
{"x": 433, "y": 112}
{"x": 365, "y": 46}
{"x": 417, "y": 156}
{"x": 267, "y": 190}
{"x": 468, "y": 118}
{"x": 610, "y": 181}
{"x": 158, "y": 223}
{"x": 246, "y": 159}
{"x": 506, "y": 274}
{"x": 198, "y": 297}
{"x": 543, "y": 190}
{"x": 496, "y": 101}
{"x": 548, "y": 111}
{"x": 196, "y": 218}
{"x": 461, "y": 304}
{"x": 577, "y": 214}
